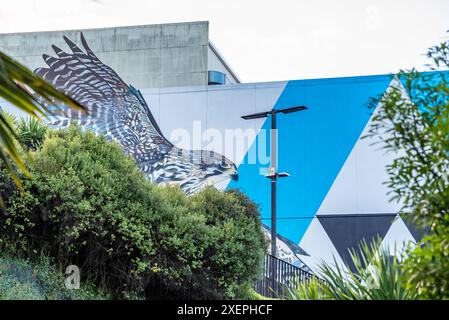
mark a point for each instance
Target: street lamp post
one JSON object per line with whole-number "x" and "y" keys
{"x": 273, "y": 173}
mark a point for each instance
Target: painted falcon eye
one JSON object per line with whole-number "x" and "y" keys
{"x": 223, "y": 162}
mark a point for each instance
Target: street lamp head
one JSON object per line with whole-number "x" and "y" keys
{"x": 256, "y": 115}
{"x": 273, "y": 175}
{"x": 265, "y": 114}
{"x": 292, "y": 109}
{"x": 283, "y": 174}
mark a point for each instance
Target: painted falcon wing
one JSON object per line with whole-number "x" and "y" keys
{"x": 114, "y": 109}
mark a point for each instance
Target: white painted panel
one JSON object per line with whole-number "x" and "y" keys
{"x": 372, "y": 193}
{"x": 183, "y": 111}
{"x": 152, "y": 99}
{"x": 224, "y": 111}
{"x": 318, "y": 245}
{"x": 398, "y": 238}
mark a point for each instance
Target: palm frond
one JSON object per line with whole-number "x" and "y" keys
{"x": 21, "y": 87}
{"x": 309, "y": 290}
{"x": 377, "y": 275}
{"x": 31, "y": 133}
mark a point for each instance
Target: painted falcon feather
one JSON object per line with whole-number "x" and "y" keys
{"x": 120, "y": 113}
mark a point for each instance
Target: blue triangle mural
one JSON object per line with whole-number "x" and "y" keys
{"x": 313, "y": 145}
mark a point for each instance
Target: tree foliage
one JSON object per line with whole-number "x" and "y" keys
{"x": 413, "y": 123}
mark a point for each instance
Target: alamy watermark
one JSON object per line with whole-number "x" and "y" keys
{"x": 73, "y": 280}
{"x": 246, "y": 146}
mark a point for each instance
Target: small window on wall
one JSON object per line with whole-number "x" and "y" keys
{"x": 216, "y": 77}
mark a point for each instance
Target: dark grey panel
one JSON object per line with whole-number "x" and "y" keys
{"x": 347, "y": 231}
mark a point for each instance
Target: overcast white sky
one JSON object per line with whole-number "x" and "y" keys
{"x": 268, "y": 40}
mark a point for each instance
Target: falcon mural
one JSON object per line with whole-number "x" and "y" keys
{"x": 119, "y": 112}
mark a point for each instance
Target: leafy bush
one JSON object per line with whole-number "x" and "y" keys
{"x": 86, "y": 203}
{"x": 427, "y": 266}
{"x": 79, "y": 203}
{"x": 237, "y": 248}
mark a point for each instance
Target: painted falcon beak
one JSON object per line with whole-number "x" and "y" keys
{"x": 234, "y": 176}
{"x": 233, "y": 173}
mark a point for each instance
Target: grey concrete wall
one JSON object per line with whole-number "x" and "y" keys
{"x": 148, "y": 56}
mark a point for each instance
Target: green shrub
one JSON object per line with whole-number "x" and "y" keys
{"x": 427, "y": 266}
{"x": 86, "y": 203}
{"x": 80, "y": 203}
{"x": 238, "y": 247}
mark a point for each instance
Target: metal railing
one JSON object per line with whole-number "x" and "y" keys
{"x": 279, "y": 276}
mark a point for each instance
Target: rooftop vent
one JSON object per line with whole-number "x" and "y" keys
{"x": 216, "y": 77}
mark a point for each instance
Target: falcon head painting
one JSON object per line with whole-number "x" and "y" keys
{"x": 120, "y": 113}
